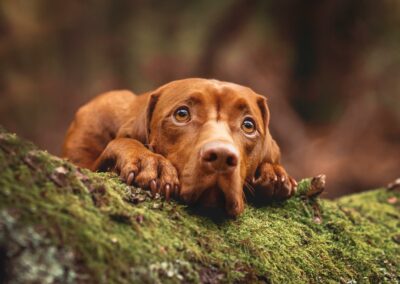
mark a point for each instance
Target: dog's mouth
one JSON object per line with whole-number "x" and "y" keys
{"x": 209, "y": 194}
{"x": 212, "y": 197}
{"x": 213, "y": 202}
{"x": 213, "y": 190}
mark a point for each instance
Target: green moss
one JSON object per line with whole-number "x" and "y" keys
{"x": 93, "y": 228}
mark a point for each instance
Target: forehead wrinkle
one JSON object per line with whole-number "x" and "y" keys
{"x": 194, "y": 98}
{"x": 226, "y": 99}
{"x": 241, "y": 105}
{"x": 213, "y": 95}
{"x": 190, "y": 100}
{"x": 218, "y": 107}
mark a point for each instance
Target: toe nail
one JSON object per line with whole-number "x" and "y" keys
{"x": 167, "y": 191}
{"x": 176, "y": 190}
{"x": 153, "y": 187}
{"x": 131, "y": 176}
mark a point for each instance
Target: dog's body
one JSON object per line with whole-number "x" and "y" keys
{"x": 200, "y": 140}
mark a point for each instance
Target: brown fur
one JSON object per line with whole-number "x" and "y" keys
{"x": 137, "y": 137}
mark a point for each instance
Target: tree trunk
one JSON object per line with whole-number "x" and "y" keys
{"x": 62, "y": 224}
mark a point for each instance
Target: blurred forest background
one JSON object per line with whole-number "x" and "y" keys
{"x": 330, "y": 69}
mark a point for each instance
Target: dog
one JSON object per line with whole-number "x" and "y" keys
{"x": 202, "y": 141}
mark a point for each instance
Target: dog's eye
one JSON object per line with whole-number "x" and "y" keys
{"x": 248, "y": 126}
{"x": 182, "y": 114}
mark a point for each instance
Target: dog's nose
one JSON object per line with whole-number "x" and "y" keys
{"x": 219, "y": 156}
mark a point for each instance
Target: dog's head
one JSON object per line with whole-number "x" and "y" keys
{"x": 214, "y": 133}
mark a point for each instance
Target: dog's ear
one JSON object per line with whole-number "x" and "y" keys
{"x": 151, "y": 105}
{"x": 270, "y": 152}
{"x": 138, "y": 126}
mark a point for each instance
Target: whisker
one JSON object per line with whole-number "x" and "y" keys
{"x": 249, "y": 187}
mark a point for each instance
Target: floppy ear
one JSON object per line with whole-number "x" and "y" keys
{"x": 151, "y": 105}
{"x": 138, "y": 126}
{"x": 270, "y": 152}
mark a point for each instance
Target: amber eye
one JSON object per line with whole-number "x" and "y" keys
{"x": 248, "y": 126}
{"x": 182, "y": 114}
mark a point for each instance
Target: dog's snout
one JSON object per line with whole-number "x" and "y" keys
{"x": 219, "y": 156}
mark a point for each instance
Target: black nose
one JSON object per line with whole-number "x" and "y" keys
{"x": 219, "y": 156}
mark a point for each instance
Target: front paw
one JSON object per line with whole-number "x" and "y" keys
{"x": 150, "y": 171}
{"x": 273, "y": 182}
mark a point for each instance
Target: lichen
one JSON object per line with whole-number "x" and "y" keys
{"x": 30, "y": 257}
{"x": 90, "y": 227}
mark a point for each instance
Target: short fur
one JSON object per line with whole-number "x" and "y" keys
{"x": 136, "y": 136}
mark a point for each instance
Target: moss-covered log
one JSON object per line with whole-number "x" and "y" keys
{"x": 62, "y": 224}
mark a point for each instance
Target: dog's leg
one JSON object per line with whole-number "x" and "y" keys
{"x": 138, "y": 165}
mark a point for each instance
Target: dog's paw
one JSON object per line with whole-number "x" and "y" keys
{"x": 273, "y": 182}
{"x": 150, "y": 171}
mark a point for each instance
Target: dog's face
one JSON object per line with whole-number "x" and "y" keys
{"x": 213, "y": 133}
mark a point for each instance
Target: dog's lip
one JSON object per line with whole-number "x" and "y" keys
{"x": 219, "y": 198}
{"x": 193, "y": 186}
{"x": 192, "y": 193}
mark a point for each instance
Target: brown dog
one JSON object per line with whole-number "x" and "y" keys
{"x": 200, "y": 140}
